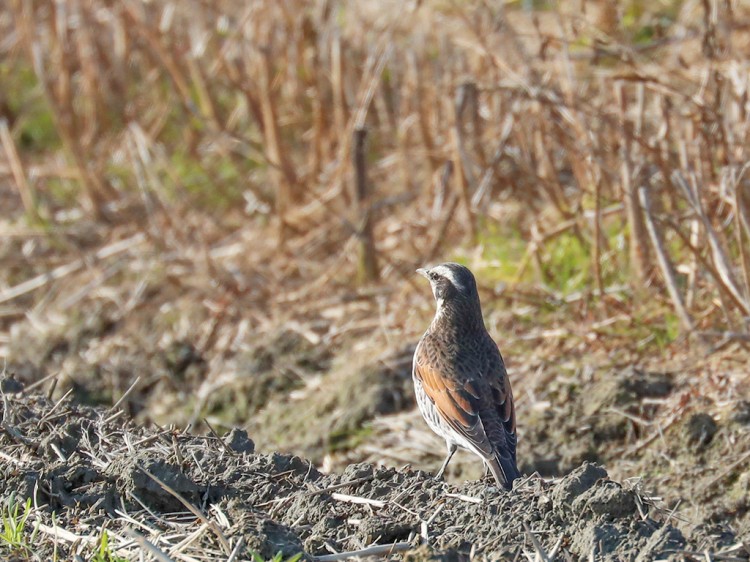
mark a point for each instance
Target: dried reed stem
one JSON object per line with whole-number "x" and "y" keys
{"x": 464, "y": 167}
{"x": 19, "y": 175}
{"x": 663, "y": 259}
{"x": 638, "y": 247}
{"x": 368, "y": 264}
{"x": 280, "y": 168}
{"x": 720, "y": 259}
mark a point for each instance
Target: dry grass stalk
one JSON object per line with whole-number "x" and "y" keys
{"x": 210, "y": 524}
{"x": 447, "y": 216}
{"x": 58, "y": 95}
{"x": 597, "y": 253}
{"x": 422, "y": 93}
{"x": 541, "y": 554}
{"x": 281, "y": 170}
{"x": 742, "y": 234}
{"x": 149, "y": 547}
{"x": 368, "y": 263}
{"x": 484, "y": 189}
{"x": 638, "y": 243}
{"x": 465, "y": 177}
{"x": 19, "y": 175}
{"x": 378, "y": 550}
{"x": 663, "y": 259}
{"x": 720, "y": 259}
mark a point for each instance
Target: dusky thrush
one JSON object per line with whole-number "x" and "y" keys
{"x": 460, "y": 381}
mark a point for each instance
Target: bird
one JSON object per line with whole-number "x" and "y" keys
{"x": 460, "y": 382}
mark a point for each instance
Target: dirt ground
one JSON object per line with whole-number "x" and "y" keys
{"x": 194, "y": 497}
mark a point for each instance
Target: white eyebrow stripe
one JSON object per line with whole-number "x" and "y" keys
{"x": 449, "y": 274}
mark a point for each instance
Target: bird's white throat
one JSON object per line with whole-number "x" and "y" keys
{"x": 440, "y": 310}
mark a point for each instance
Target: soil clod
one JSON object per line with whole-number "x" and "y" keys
{"x": 239, "y": 442}
{"x": 700, "y": 430}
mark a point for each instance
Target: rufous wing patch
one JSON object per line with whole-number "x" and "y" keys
{"x": 456, "y": 404}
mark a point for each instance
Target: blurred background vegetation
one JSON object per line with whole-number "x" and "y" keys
{"x": 220, "y": 205}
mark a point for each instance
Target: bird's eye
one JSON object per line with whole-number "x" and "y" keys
{"x": 434, "y": 276}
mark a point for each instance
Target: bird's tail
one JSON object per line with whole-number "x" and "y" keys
{"x": 504, "y": 470}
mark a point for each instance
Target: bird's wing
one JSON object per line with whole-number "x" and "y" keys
{"x": 456, "y": 400}
{"x": 501, "y": 403}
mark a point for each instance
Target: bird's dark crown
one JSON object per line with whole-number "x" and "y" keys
{"x": 452, "y": 280}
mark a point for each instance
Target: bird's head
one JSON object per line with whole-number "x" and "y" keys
{"x": 454, "y": 288}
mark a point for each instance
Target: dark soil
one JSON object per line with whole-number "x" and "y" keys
{"x": 587, "y": 422}
{"x": 91, "y": 469}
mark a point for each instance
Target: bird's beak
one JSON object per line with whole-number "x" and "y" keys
{"x": 423, "y": 272}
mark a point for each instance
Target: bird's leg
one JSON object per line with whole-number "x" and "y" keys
{"x": 451, "y": 449}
